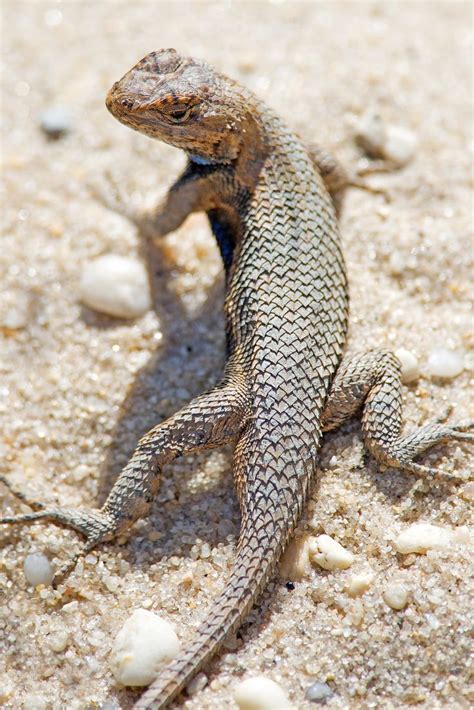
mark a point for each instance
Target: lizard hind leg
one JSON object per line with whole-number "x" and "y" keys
{"x": 95, "y": 525}
{"x": 211, "y": 419}
{"x": 372, "y": 380}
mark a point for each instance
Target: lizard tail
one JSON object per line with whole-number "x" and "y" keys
{"x": 261, "y": 543}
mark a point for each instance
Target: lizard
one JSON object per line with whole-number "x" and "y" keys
{"x": 271, "y": 203}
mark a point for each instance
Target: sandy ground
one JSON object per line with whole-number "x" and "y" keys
{"x": 78, "y": 389}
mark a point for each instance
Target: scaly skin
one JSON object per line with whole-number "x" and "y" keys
{"x": 271, "y": 205}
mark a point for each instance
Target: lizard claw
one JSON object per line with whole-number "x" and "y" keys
{"x": 427, "y": 472}
{"x": 464, "y": 431}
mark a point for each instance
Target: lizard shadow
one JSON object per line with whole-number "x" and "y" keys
{"x": 400, "y": 489}
{"x": 188, "y": 360}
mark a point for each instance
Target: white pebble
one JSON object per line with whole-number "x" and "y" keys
{"x": 391, "y": 142}
{"x": 116, "y": 285}
{"x": 410, "y": 365}
{"x": 468, "y": 492}
{"x": 319, "y": 693}
{"x": 400, "y": 145}
{"x": 71, "y": 607}
{"x": 15, "y": 309}
{"x": 396, "y": 595}
{"x": 397, "y": 263}
{"x": 55, "y": 121}
{"x": 261, "y": 693}
{"x": 463, "y": 535}
{"x": 35, "y": 702}
{"x": 38, "y": 569}
{"x": 421, "y": 537}
{"x": 294, "y": 562}
{"x": 359, "y": 583}
{"x": 58, "y": 641}
{"x": 444, "y": 363}
{"x": 142, "y": 646}
{"x": 328, "y": 553}
{"x": 370, "y": 133}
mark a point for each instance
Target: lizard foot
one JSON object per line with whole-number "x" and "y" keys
{"x": 367, "y": 168}
{"x": 95, "y": 525}
{"x": 433, "y": 433}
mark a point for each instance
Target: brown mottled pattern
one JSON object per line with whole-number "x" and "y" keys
{"x": 270, "y": 202}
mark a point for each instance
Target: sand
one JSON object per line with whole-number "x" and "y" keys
{"x": 78, "y": 389}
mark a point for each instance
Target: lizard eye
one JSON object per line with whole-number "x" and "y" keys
{"x": 180, "y": 114}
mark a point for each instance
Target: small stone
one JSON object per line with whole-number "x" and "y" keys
{"x": 58, "y": 641}
{"x": 111, "y": 704}
{"x": 328, "y": 553}
{"x": 142, "y": 646}
{"x": 187, "y": 579}
{"x": 393, "y": 143}
{"x": 359, "y": 583}
{"x": 38, "y": 569}
{"x": 463, "y": 535}
{"x": 445, "y": 364}
{"x": 421, "y": 537}
{"x": 396, "y": 595}
{"x": 71, "y": 607}
{"x": 112, "y": 582}
{"x": 410, "y": 365}
{"x": 370, "y": 134}
{"x": 400, "y": 145}
{"x": 294, "y": 562}
{"x": 197, "y": 684}
{"x": 35, "y": 702}
{"x": 468, "y": 492}
{"x": 319, "y": 692}
{"x": 116, "y": 285}
{"x": 15, "y": 310}
{"x": 55, "y": 121}
{"x": 261, "y": 693}
{"x": 397, "y": 263}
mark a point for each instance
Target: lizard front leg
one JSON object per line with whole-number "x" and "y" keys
{"x": 214, "y": 418}
{"x": 372, "y": 381}
{"x": 192, "y": 192}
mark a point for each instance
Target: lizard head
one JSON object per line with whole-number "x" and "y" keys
{"x": 183, "y": 102}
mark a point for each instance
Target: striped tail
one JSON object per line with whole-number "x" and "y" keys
{"x": 260, "y": 547}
